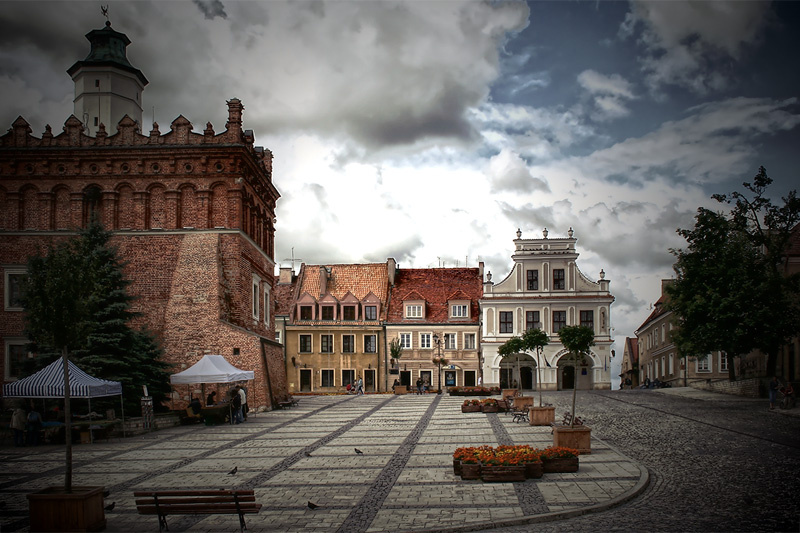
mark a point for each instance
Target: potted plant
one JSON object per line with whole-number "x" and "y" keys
{"x": 58, "y": 293}
{"x": 470, "y": 464}
{"x": 572, "y": 432}
{"x": 557, "y": 459}
{"x": 489, "y": 405}
{"x": 503, "y": 464}
{"x": 533, "y": 340}
{"x": 471, "y": 406}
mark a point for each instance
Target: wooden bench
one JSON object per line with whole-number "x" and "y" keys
{"x": 291, "y": 401}
{"x": 193, "y": 502}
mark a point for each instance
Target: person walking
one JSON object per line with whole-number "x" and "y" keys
{"x": 236, "y": 405}
{"x": 419, "y": 385}
{"x": 18, "y": 426}
{"x": 774, "y": 385}
{"x": 360, "y": 386}
{"x": 243, "y": 397}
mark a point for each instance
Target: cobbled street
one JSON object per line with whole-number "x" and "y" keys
{"x": 716, "y": 462}
{"x": 666, "y": 460}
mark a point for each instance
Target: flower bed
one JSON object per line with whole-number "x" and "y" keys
{"x": 556, "y": 459}
{"x": 489, "y": 405}
{"x": 471, "y": 406}
{"x": 473, "y": 391}
{"x": 504, "y": 463}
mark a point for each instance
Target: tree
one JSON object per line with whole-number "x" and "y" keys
{"x": 578, "y": 340}
{"x": 76, "y": 303}
{"x": 533, "y": 340}
{"x": 731, "y": 292}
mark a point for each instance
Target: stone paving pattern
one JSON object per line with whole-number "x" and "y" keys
{"x": 404, "y": 480}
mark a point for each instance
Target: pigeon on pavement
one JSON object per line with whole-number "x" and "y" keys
{"x": 235, "y": 469}
{"x": 312, "y": 505}
{"x": 110, "y": 507}
{"x": 359, "y": 452}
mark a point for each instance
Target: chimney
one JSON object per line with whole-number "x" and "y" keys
{"x": 391, "y": 266}
{"x": 286, "y": 275}
{"x": 323, "y": 281}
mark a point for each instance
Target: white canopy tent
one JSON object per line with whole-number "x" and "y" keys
{"x": 211, "y": 369}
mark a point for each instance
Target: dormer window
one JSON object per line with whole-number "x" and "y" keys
{"x": 370, "y": 312}
{"x": 459, "y": 309}
{"x": 414, "y": 309}
{"x": 306, "y": 312}
{"x": 327, "y": 312}
{"x": 349, "y": 312}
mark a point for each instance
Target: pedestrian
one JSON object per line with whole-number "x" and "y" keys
{"x": 774, "y": 385}
{"x": 419, "y": 385}
{"x": 480, "y": 380}
{"x": 211, "y": 399}
{"x": 236, "y": 405}
{"x": 360, "y": 386}
{"x": 18, "y": 426}
{"x": 34, "y": 426}
{"x": 243, "y": 396}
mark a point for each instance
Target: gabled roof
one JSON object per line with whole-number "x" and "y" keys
{"x": 436, "y": 286}
{"x": 359, "y": 280}
{"x": 632, "y": 348}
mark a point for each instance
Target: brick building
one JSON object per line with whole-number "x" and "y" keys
{"x": 434, "y": 312}
{"x": 629, "y": 367}
{"x": 192, "y": 215}
{"x": 545, "y": 289}
{"x": 332, "y": 319}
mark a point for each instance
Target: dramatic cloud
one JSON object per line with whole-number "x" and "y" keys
{"x": 608, "y": 93}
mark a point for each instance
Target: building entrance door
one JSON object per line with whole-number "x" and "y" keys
{"x": 526, "y": 377}
{"x": 469, "y": 378}
{"x": 369, "y": 380}
{"x": 305, "y": 380}
{"x": 567, "y": 378}
{"x": 405, "y": 378}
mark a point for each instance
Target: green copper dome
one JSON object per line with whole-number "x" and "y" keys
{"x": 108, "y": 49}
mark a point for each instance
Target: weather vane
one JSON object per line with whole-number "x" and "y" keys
{"x": 104, "y": 9}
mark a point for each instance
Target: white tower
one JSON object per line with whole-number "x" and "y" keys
{"x": 107, "y": 86}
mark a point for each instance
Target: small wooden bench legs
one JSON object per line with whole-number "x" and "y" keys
{"x": 192, "y": 502}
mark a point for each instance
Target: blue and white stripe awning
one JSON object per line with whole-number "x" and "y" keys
{"x": 49, "y": 383}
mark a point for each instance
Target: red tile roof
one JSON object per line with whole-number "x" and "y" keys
{"x": 358, "y": 279}
{"x": 436, "y": 286}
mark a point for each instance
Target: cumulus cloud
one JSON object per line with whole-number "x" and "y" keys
{"x": 508, "y": 172}
{"x": 684, "y": 42}
{"x": 608, "y": 94}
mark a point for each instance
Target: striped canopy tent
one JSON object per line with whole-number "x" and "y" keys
{"x": 49, "y": 383}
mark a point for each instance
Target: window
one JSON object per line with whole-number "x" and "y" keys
{"x": 703, "y": 364}
{"x": 371, "y": 312}
{"x": 469, "y": 341}
{"x": 326, "y": 343}
{"x": 425, "y": 340}
{"x": 414, "y": 311}
{"x": 327, "y": 378}
{"x": 532, "y": 320}
{"x": 349, "y": 312}
{"x": 558, "y": 278}
{"x": 450, "y": 341}
{"x": 506, "y": 322}
{"x": 459, "y": 311}
{"x": 405, "y": 340}
{"x": 327, "y": 312}
{"x": 16, "y": 353}
{"x": 533, "y": 280}
{"x": 266, "y": 305}
{"x": 15, "y": 278}
{"x": 723, "y": 362}
{"x": 306, "y": 312}
{"x": 559, "y": 320}
{"x": 587, "y": 319}
{"x": 348, "y": 343}
{"x": 256, "y": 295}
{"x": 370, "y": 344}
{"x": 305, "y": 343}
{"x": 671, "y": 363}
{"x": 348, "y": 376}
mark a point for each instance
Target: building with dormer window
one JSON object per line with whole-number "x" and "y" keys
{"x": 434, "y": 312}
{"x": 545, "y": 289}
{"x": 331, "y": 323}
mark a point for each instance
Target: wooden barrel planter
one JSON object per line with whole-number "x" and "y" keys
{"x": 503, "y": 474}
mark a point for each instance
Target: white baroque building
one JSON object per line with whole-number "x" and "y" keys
{"x": 546, "y": 290}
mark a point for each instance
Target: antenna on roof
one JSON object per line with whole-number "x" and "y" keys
{"x": 293, "y": 259}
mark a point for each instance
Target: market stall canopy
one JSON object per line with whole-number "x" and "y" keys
{"x": 211, "y": 369}
{"x": 49, "y": 383}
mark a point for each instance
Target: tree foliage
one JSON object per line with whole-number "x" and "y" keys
{"x": 77, "y": 296}
{"x": 533, "y": 340}
{"x": 731, "y": 292}
{"x": 578, "y": 340}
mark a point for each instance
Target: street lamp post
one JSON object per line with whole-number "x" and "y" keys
{"x": 439, "y": 361}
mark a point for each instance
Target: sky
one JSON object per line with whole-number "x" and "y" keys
{"x": 430, "y": 131}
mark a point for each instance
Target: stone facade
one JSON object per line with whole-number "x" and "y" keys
{"x": 192, "y": 216}
{"x": 333, "y": 326}
{"x": 545, "y": 289}
{"x": 434, "y": 313}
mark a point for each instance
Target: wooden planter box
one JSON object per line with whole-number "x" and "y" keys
{"x": 401, "y": 389}
{"x": 560, "y": 465}
{"x": 490, "y": 408}
{"x": 542, "y": 416}
{"x": 523, "y": 402}
{"x": 52, "y": 509}
{"x": 577, "y": 437}
{"x": 509, "y": 392}
{"x": 470, "y": 408}
{"x": 470, "y": 471}
{"x": 534, "y": 470}
{"x": 503, "y": 474}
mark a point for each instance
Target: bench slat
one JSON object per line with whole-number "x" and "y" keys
{"x": 204, "y": 509}
{"x": 209, "y": 492}
{"x": 209, "y": 500}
